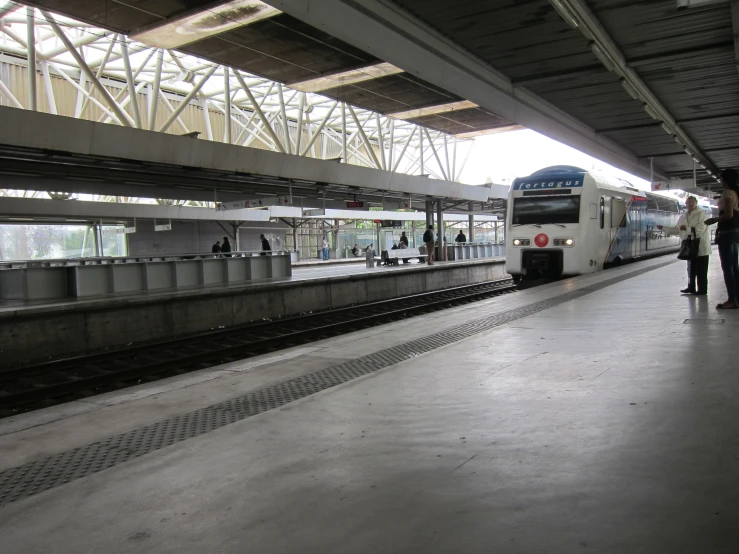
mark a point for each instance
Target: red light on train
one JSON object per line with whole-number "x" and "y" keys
{"x": 541, "y": 240}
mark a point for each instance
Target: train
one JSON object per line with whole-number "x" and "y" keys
{"x": 565, "y": 221}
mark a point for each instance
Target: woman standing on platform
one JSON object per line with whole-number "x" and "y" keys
{"x": 728, "y": 236}
{"x": 694, "y": 219}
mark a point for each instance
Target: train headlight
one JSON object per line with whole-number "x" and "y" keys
{"x": 564, "y": 243}
{"x": 521, "y": 242}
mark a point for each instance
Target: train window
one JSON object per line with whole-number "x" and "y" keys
{"x": 546, "y": 209}
{"x": 602, "y": 212}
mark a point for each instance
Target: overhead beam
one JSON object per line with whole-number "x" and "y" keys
{"x": 387, "y": 32}
{"x": 86, "y": 138}
{"x": 606, "y": 50}
{"x": 735, "y": 27}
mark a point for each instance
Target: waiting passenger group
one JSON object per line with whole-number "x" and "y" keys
{"x": 693, "y": 223}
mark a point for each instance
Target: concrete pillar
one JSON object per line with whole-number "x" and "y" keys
{"x": 440, "y": 229}
{"x": 97, "y": 239}
{"x": 471, "y": 234}
{"x": 295, "y": 236}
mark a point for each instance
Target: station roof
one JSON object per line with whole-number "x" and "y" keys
{"x": 282, "y": 48}
{"x": 632, "y": 83}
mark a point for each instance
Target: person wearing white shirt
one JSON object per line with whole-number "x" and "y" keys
{"x": 694, "y": 218}
{"x": 325, "y": 248}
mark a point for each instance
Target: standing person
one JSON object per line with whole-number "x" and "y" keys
{"x": 428, "y": 240}
{"x": 265, "y": 244}
{"x": 403, "y": 239}
{"x": 226, "y": 247}
{"x": 694, "y": 219}
{"x": 728, "y": 236}
{"x": 216, "y": 247}
{"x": 325, "y": 248}
{"x": 460, "y": 237}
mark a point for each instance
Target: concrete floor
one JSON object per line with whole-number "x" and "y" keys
{"x": 604, "y": 424}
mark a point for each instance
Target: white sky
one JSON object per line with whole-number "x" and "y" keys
{"x": 505, "y": 156}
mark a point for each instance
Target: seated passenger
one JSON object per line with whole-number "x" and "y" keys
{"x": 395, "y": 247}
{"x": 355, "y": 250}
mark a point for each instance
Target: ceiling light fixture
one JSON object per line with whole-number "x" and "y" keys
{"x": 204, "y": 22}
{"x": 349, "y": 77}
{"x": 433, "y": 110}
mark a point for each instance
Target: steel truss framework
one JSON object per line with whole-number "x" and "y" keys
{"x": 91, "y": 73}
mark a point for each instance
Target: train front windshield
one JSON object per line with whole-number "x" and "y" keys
{"x": 541, "y": 210}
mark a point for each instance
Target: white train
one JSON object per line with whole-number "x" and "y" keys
{"x": 564, "y": 221}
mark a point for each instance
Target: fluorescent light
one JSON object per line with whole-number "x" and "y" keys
{"x": 565, "y": 13}
{"x": 433, "y": 110}
{"x": 607, "y": 63}
{"x": 349, "y": 77}
{"x": 212, "y": 20}
{"x": 629, "y": 89}
{"x": 651, "y": 112}
{"x": 494, "y": 130}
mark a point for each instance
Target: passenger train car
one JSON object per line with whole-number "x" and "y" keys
{"x": 564, "y": 221}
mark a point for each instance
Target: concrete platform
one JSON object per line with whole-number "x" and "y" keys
{"x": 68, "y": 326}
{"x": 581, "y": 416}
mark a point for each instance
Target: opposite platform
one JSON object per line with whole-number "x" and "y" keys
{"x": 39, "y": 329}
{"x": 582, "y": 415}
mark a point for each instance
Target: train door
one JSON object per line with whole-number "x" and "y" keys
{"x": 636, "y": 223}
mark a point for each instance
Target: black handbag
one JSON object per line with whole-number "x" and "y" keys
{"x": 689, "y": 247}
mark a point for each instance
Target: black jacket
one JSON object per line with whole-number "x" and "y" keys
{"x": 265, "y": 244}
{"x": 428, "y": 236}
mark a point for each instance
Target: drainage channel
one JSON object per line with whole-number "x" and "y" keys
{"x": 31, "y": 478}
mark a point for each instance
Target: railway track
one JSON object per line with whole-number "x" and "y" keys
{"x": 31, "y": 387}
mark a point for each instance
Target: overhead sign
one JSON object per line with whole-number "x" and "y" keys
{"x": 163, "y": 227}
{"x": 543, "y": 184}
{"x": 254, "y": 203}
{"x": 391, "y": 223}
{"x": 125, "y": 230}
{"x": 355, "y": 204}
{"x": 674, "y": 184}
{"x": 392, "y": 206}
{"x": 314, "y": 212}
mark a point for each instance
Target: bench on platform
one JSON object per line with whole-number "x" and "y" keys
{"x": 393, "y": 257}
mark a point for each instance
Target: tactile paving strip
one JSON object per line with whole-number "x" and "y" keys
{"x": 43, "y": 474}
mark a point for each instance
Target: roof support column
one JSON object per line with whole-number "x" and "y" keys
{"x": 227, "y": 104}
{"x": 31, "y": 43}
{"x": 364, "y": 138}
{"x": 122, "y": 116}
{"x": 283, "y": 114}
{"x": 343, "y": 133}
{"x": 471, "y": 221}
{"x": 130, "y": 82}
{"x": 155, "y": 90}
{"x": 187, "y": 99}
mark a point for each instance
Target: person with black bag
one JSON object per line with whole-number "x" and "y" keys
{"x": 428, "y": 240}
{"x": 727, "y": 236}
{"x": 695, "y": 247}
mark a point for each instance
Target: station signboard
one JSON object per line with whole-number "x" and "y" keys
{"x": 314, "y": 212}
{"x": 254, "y": 203}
